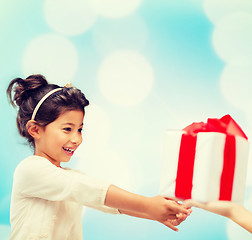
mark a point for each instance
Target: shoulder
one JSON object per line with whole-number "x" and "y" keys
{"x": 33, "y": 162}
{"x": 35, "y": 173}
{"x": 36, "y": 169}
{"x": 32, "y": 166}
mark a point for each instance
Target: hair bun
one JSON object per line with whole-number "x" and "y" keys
{"x": 23, "y": 88}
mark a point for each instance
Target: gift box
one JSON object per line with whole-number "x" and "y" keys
{"x": 205, "y": 162}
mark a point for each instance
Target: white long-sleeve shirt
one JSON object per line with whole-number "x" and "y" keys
{"x": 47, "y": 200}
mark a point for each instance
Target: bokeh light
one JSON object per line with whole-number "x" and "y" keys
{"x": 232, "y": 38}
{"x": 70, "y": 17}
{"x": 115, "y": 8}
{"x": 53, "y": 56}
{"x": 125, "y": 78}
{"x": 217, "y": 9}
{"x": 234, "y": 82}
{"x": 109, "y": 166}
{"x": 97, "y": 127}
{"x": 129, "y": 32}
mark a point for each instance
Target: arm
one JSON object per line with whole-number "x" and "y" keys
{"x": 155, "y": 208}
{"x": 233, "y": 211}
{"x": 38, "y": 177}
{"x": 242, "y": 216}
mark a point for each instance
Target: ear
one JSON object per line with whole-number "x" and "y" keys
{"x": 33, "y": 129}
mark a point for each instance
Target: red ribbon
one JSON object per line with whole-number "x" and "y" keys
{"x": 185, "y": 166}
{"x": 227, "y": 176}
{"x": 184, "y": 178}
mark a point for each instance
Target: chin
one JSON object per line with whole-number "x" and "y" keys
{"x": 66, "y": 160}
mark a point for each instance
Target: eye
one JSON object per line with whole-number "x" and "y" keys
{"x": 68, "y": 129}
{"x": 80, "y": 130}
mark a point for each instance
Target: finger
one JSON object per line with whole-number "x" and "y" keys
{"x": 189, "y": 211}
{"x": 180, "y": 209}
{"x": 171, "y": 226}
{"x": 192, "y": 203}
{"x": 170, "y": 198}
{"x": 174, "y": 222}
{"x": 179, "y": 215}
{"x": 182, "y": 217}
{"x": 171, "y": 216}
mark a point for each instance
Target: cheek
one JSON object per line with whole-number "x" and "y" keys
{"x": 81, "y": 139}
{"x": 57, "y": 139}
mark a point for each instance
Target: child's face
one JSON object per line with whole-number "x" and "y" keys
{"x": 59, "y": 139}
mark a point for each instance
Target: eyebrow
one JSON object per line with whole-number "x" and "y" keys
{"x": 71, "y": 124}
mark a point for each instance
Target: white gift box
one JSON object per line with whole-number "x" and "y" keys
{"x": 208, "y": 179}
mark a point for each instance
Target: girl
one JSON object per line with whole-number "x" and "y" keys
{"x": 46, "y": 198}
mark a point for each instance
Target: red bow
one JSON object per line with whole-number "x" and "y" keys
{"x": 225, "y": 125}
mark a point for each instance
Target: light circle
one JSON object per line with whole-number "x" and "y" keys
{"x": 125, "y": 78}
{"x": 53, "y": 56}
{"x": 217, "y": 9}
{"x": 232, "y": 38}
{"x": 115, "y": 8}
{"x": 106, "y": 165}
{"x": 97, "y": 127}
{"x": 124, "y": 33}
{"x": 236, "y": 85}
{"x": 70, "y": 17}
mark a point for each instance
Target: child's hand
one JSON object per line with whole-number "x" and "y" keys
{"x": 167, "y": 211}
{"x": 175, "y": 222}
{"x": 161, "y": 209}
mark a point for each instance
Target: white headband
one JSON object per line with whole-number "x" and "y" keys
{"x": 42, "y": 100}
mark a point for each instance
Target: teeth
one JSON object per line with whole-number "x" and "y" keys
{"x": 69, "y": 150}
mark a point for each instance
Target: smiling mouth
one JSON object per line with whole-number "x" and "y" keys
{"x": 68, "y": 150}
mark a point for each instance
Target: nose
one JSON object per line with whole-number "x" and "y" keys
{"x": 76, "y": 139}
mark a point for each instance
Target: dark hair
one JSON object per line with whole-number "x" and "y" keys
{"x": 28, "y": 92}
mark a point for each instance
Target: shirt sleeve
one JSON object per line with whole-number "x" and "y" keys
{"x": 37, "y": 177}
